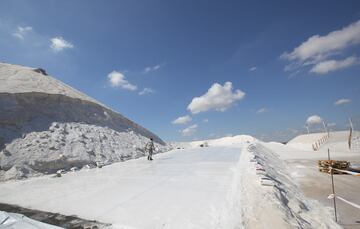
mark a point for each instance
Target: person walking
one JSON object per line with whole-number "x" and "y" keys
{"x": 150, "y": 148}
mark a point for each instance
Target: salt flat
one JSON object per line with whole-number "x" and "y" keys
{"x": 179, "y": 189}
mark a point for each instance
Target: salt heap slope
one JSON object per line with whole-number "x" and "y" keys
{"x": 47, "y": 125}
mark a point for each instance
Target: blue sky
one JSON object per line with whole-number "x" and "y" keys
{"x": 156, "y": 60}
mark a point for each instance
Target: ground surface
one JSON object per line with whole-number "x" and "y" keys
{"x": 317, "y": 185}
{"x": 179, "y": 189}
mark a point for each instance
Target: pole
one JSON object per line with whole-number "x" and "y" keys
{"x": 351, "y": 124}
{"x": 325, "y": 128}
{"x": 333, "y": 186}
{"x": 350, "y": 134}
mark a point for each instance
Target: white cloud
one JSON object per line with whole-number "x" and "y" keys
{"x": 182, "y": 120}
{"x": 152, "y": 68}
{"x": 331, "y": 124}
{"x": 314, "y": 119}
{"x": 205, "y": 120}
{"x": 22, "y": 31}
{"x": 217, "y": 98}
{"x": 189, "y": 130}
{"x": 327, "y": 66}
{"x": 341, "y": 102}
{"x": 262, "y": 110}
{"x": 117, "y": 79}
{"x": 252, "y": 69}
{"x": 59, "y": 44}
{"x": 146, "y": 91}
{"x": 317, "y": 47}
{"x": 316, "y": 50}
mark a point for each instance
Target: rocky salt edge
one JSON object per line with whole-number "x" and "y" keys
{"x": 69, "y": 146}
{"x": 268, "y": 195}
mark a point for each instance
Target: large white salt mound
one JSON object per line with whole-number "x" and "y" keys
{"x": 30, "y": 100}
{"x": 21, "y": 79}
{"x": 46, "y": 125}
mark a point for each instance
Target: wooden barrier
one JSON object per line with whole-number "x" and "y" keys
{"x": 338, "y": 167}
{"x": 317, "y": 144}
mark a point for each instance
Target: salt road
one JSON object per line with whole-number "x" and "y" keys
{"x": 179, "y": 189}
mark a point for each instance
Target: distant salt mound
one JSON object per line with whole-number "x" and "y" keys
{"x": 338, "y": 140}
{"x": 32, "y": 103}
{"x": 225, "y": 141}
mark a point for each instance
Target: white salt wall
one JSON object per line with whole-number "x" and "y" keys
{"x": 67, "y": 145}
